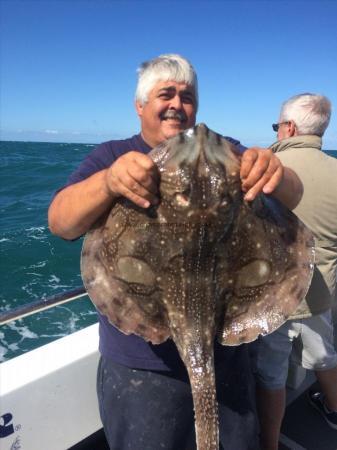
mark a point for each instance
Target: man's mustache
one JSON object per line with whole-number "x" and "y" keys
{"x": 172, "y": 114}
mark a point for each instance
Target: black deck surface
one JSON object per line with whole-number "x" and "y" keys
{"x": 303, "y": 427}
{"x": 306, "y": 428}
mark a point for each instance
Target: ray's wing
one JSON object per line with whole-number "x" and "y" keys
{"x": 265, "y": 269}
{"x": 121, "y": 264}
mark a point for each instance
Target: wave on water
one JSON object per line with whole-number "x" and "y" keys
{"x": 35, "y": 264}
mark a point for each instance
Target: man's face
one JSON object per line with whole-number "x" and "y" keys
{"x": 171, "y": 108}
{"x": 286, "y": 129}
{"x": 282, "y": 131}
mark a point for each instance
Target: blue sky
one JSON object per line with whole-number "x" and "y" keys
{"x": 68, "y": 68}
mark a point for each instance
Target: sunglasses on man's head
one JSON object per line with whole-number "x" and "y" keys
{"x": 276, "y": 126}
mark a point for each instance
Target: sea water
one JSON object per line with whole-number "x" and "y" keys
{"x": 35, "y": 264}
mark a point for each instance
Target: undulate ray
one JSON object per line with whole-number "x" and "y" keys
{"x": 200, "y": 265}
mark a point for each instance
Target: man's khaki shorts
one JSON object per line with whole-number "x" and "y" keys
{"x": 314, "y": 349}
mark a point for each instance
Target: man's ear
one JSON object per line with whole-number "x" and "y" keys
{"x": 139, "y": 108}
{"x": 292, "y": 128}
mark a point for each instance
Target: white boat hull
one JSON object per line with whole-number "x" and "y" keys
{"x": 48, "y": 395}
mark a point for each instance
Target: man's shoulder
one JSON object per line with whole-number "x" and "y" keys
{"x": 118, "y": 147}
{"x": 106, "y": 154}
{"x": 298, "y": 144}
{"x": 237, "y": 143}
{"x": 305, "y": 154}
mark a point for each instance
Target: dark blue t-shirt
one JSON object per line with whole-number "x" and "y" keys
{"x": 131, "y": 350}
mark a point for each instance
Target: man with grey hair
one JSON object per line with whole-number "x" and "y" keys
{"x": 302, "y": 123}
{"x": 143, "y": 389}
{"x": 304, "y": 114}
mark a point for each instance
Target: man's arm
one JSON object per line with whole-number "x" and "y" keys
{"x": 134, "y": 176}
{"x": 77, "y": 207}
{"x": 262, "y": 171}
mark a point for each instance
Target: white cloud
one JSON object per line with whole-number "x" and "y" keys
{"x": 51, "y": 131}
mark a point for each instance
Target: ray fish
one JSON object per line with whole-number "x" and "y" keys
{"x": 202, "y": 265}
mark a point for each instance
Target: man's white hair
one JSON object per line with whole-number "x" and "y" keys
{"x": 310, "y": 112}
{"x": 168, "y": 67}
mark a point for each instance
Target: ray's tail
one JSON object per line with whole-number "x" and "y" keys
{"x": 200, "y": 367}
{"x": 205, "y": 410}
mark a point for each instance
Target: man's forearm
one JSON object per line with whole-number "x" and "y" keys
{"x": 77, "y": 207}
{"x": 290, "y": 189}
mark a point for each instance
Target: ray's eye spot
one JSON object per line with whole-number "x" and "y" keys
{"x": 182, "y": 200}
{"x": 254, "y": 274}
{"x": 133, "y": 270}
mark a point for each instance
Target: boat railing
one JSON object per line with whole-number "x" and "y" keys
{"x": 41, "y": 305}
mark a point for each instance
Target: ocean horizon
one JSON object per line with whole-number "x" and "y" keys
{"x": 34, "y": 263}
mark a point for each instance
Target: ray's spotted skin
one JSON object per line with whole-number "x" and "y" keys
{"x": 202, "y": 264}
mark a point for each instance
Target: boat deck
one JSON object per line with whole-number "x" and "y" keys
{"x": 303, "y": 427}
